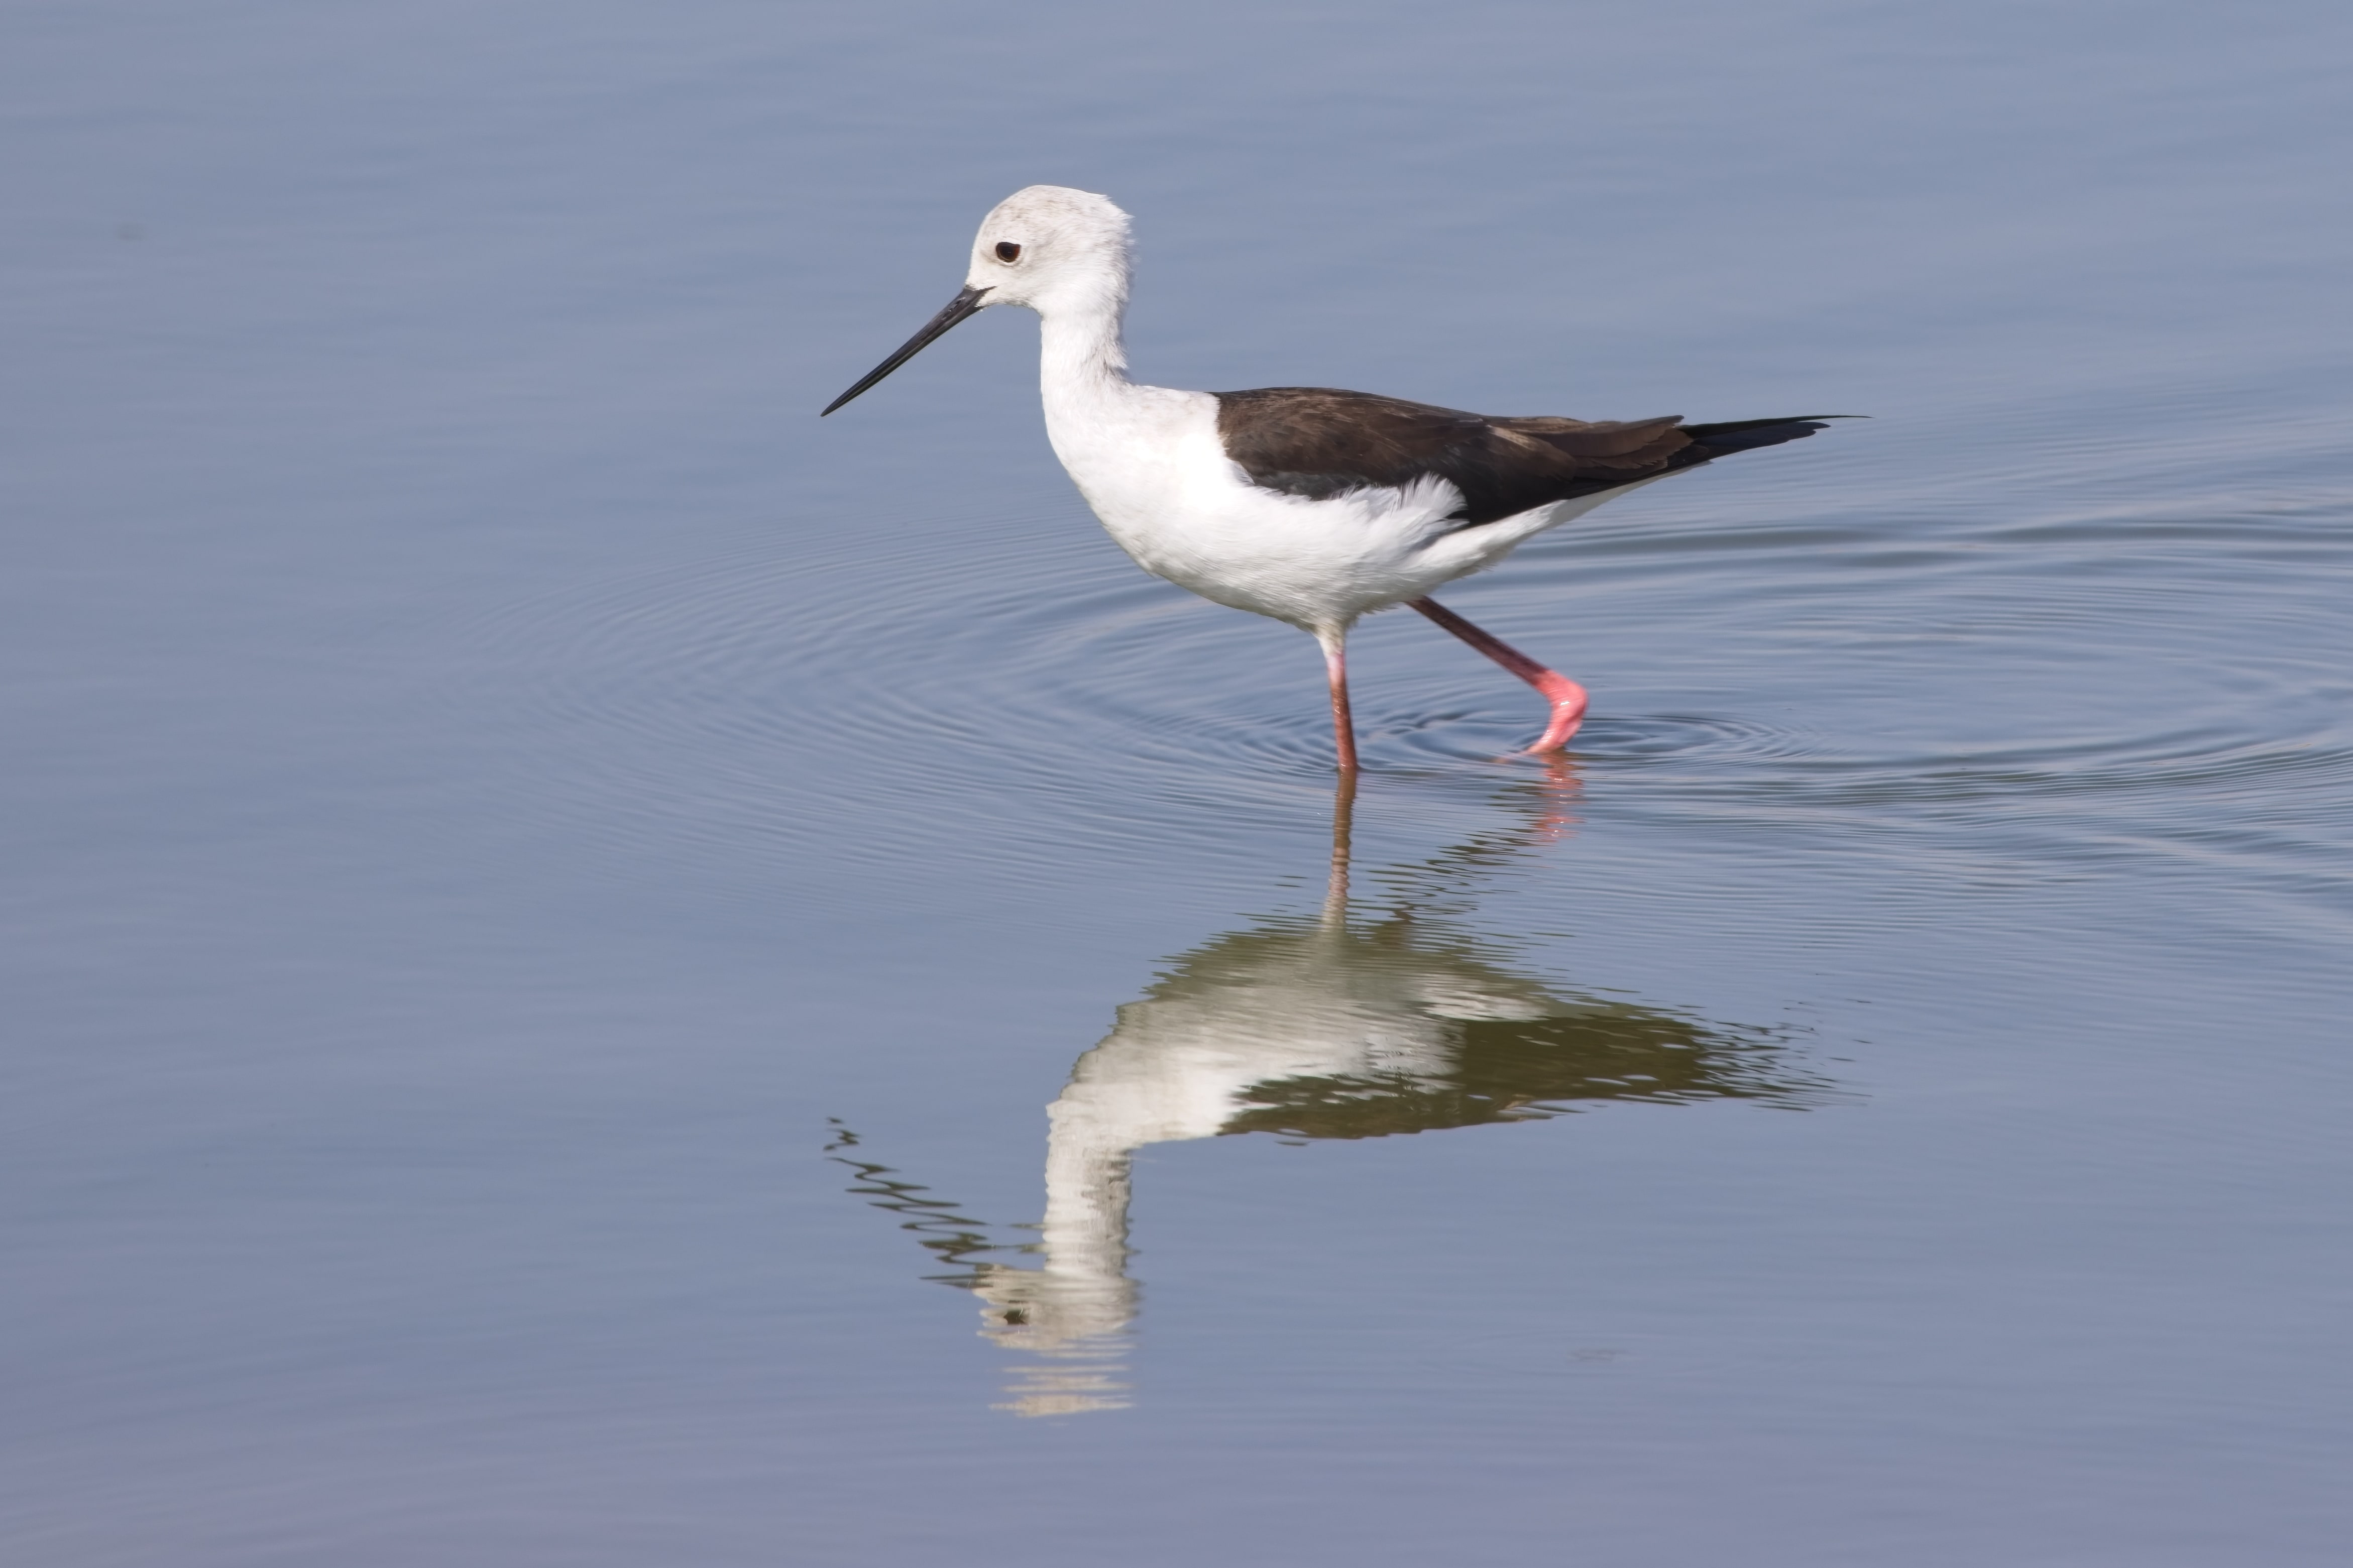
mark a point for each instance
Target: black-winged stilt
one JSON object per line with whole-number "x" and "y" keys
{"x": 1307, "y": 504}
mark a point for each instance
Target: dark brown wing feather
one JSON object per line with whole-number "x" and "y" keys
{"x": 1318, "y": 442}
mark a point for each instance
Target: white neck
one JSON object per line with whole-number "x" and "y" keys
{"x": 1082, "y": 362}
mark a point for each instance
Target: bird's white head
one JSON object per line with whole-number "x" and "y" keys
{"x": 1061, "y": 252}
{"x": 1052, "y": 248}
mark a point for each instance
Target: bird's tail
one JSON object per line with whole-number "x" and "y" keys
{"x": 1740, "y": 435}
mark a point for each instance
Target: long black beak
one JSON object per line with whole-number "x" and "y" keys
{"x": 966, "y": 303}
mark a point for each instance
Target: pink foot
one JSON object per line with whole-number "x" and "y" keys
{"x": 1567, "y": 699}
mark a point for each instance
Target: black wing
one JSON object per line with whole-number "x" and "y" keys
{"x": 1317, "y": 442}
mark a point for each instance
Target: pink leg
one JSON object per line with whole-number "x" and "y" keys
{"x": 1568, "y": 697}
{"x": 1344, "y": 727}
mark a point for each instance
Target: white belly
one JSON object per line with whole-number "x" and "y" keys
{"x": 1166, "y": 491}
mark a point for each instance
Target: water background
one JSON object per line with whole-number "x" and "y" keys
{"x": 497, "y": 787}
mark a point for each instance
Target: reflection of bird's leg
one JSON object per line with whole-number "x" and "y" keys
{"x": 1567, "y": 698}
{"x": 1558, "y": 795}
{"x": 1344, "y": 814}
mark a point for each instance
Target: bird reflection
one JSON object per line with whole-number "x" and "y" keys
{"x": 1383, "y": 1016}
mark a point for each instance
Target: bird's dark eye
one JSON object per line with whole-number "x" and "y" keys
{"x": 1008, "y": 251}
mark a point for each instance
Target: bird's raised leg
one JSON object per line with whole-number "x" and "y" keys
{"x": 1335, "y": 668}
{"x": 1567, "y": 696}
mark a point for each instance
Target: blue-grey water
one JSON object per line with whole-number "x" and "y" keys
{"x": 601, "y": 972}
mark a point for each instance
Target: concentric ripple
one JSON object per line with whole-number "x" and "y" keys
{"x": 2043, "y": 689}
{"x": 758, "y": 702}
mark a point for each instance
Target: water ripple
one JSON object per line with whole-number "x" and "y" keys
{"x": 871, "y": 695}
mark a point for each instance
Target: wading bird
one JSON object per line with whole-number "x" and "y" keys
{"x": 1307, "y": 504}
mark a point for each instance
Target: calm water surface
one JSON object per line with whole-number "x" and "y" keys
{"x": 601, "y": 972}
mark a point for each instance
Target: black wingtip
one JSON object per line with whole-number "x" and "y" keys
{"x": 1745, "y": 435}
